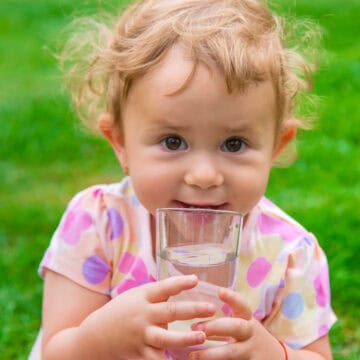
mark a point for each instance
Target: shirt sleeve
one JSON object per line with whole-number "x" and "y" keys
{"x": 80, "y": 249}
{"x": 303, "y": 312}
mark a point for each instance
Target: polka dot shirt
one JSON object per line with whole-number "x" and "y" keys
{"x": 103, "y": 243}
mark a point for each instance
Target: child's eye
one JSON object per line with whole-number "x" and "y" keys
{"x": 174, "y": 143}
{"x": 233, "y": 144}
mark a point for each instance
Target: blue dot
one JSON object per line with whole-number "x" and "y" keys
{"x": 293, "y": 305}
{"x": 135, "y": 201}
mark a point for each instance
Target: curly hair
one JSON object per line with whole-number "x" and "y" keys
{"x": 246, "y": 41}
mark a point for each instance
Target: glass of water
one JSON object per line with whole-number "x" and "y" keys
{"x": 203, "y": 242}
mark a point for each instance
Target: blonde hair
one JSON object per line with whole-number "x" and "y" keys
{"x": 243, "y": 38}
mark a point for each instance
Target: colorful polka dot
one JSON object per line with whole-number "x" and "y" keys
{"x": 116, "y": 223}
{"x": 270, "y": 225}
{"x": 293, "y": 305}
{"x": 126, "y": 285}
{"x": 258, "y": 314}
{"x": 323, "y": 330}
{"x": 135, "y": 201}
{"x": 226, "y": 310}
{"x": 258, "y": 271}
{"x": 95, "y": 269}
{"x": 126, "y": 262}
{"x": 97, "y": 192}
{"x": 134, "y": 266}
{"x": 305, "y": 241}
{"x": 295, "y": 345}
{"x": 74, "y": 223}
{"x": 268, "y": 297}
{"x": 321, "y": 285}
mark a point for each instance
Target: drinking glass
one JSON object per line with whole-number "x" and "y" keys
{"x": 204, "y": 242}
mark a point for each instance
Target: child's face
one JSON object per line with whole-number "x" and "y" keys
{"x": 201, "y": 147}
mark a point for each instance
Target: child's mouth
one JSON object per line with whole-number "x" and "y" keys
{"x": 181, "y": 204}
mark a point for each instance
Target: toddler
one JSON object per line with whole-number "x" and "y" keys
{"x": 197, "y": 101}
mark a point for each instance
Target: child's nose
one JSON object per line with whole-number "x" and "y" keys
{"x": 204, "y": 173}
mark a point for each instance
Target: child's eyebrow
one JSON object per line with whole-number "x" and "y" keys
{"x": 173, "y": 126}
{"x": 237, "y": 128}
{"x": 166, "y": 124}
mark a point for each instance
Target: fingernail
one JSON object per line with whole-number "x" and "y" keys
{"x": 194, "y": 356}
{"x": 200, "y": 337}
{"x": 222, "y": 291}
{"x": 198, "y": 327}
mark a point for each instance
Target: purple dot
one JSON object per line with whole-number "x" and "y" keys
{"x": 293, "y": 305}
{"x": 95, "y": 269}
{"x": 258, "y": 271}
{"x": 116, "y": 223}
{"x": 74, "y": 223}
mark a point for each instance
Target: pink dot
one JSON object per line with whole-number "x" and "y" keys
{"x": 126, "y": 285}
{"x": 126, "y": 262}
{"x": 97, "y": 192}
{"x": 323, "y": 330}
{"x": 74, "y": 223}
{"x": 322, "y": 289}
{"x": 272, "y": 225}
{"x": 226, "y": 309}
{"x": 258, "y": 314}
{"x": 258, "y": 271}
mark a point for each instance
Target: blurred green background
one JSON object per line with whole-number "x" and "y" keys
{"x": 46, "y": 156}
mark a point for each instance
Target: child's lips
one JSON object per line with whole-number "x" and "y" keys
{"x": 211, "y": 206}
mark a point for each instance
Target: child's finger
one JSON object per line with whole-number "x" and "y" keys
{"x": 238, "y": 305}
{"x": 236, "y": 328}
{"x": 160, "y": 338}
{"x": 229, "y": 351}
{"x": 161, "y": 290}
{"x": 169, "y": 311}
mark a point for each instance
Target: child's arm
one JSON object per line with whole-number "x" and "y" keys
{"x": 79, "y": 324}
{"x": 251, "y": 339}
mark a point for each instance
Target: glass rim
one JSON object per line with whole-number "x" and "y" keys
{"x": 204, "y": 210}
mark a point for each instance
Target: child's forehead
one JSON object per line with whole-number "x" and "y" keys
{"x": 172, "y": 71}
{"x": 177, "y": 74}
{"x": 177, "y": 71}
{"x": 156, "y": 94}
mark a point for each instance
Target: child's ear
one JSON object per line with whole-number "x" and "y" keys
{"x": 114, "y": 136}
{"x": 287, "y": 134}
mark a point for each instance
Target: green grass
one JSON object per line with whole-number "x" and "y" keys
{"x": 45, "y": 158}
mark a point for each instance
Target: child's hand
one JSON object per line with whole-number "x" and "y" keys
{"x": 249, "y": 339}
{"x": 134, "y": 324}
